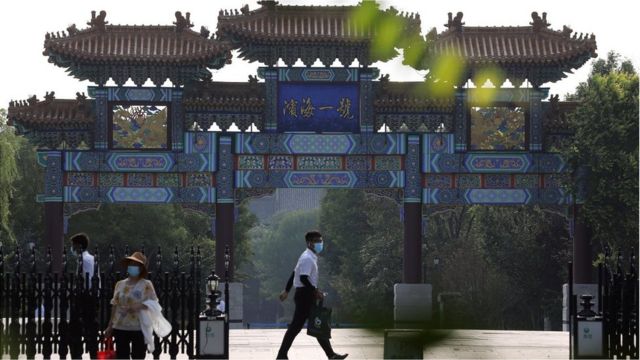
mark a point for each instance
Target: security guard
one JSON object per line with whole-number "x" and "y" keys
{"x": 305, "y": 279}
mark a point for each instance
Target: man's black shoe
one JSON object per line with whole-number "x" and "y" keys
{"x": 338, "y": 356}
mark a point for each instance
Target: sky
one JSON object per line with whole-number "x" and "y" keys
{"x": 25, "y": 71}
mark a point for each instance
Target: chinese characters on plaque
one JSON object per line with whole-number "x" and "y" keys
{"x": 306, "y": 108}
{"x": 318, "y": 107}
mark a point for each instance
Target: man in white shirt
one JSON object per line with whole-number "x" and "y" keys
{"x": 305, "y": 279}
{"x": 80, "y": 246}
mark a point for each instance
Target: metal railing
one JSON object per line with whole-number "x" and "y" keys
{"x": 49, "y": 313}
{"x": 617, "y": 307}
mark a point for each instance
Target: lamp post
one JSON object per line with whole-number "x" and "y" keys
{"x": 212, "y": 296}
{"x": 213, "y": 323}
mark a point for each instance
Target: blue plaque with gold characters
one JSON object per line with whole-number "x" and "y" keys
{"x": 304, "y": 107}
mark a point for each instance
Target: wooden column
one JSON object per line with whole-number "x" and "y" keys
{"x": 224, "y": 236}
{"x": 225, "y": 212}
{"x": 54, "y": 232}
{"x": 412, "y": 265}
{"x": 581, "y": 249}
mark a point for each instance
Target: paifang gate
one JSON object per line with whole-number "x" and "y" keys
{"x": 303, "y": 127}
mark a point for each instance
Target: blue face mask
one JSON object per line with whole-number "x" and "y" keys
{"x": 133, "y": 270}
{"x": 317, "y": 247}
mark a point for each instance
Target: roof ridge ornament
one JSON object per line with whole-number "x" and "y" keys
{"x": 269, "y": 4}
{"x": 49, "y": 96}
{"x": 98, "y": 22}
{"x": 72, "y": 29}
{"x": 182, "y": 22}
{"x": 539, "y": 22}
{"x": 455, "y": 23}
{"x": 204, "y": 32}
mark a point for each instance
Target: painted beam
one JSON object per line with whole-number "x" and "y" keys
{"x": 550, "y": 196}
{"x": 321, "y": 144}
{"x": 139, "y": 161}
{"x": 494, "y": 163}
{"x": 139, "y": 195}
{"x": 318, "y": 162}
{"x": 319, "y": 179}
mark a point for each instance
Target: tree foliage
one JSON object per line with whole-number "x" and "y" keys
{"x": 146, "y": 226}
{"x": 8, "y": 175}
{"x": 606, "y": 145}
{"x": 363, "y": 258}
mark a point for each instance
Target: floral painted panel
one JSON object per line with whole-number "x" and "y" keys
{"x": 139, "y": 127}
{"x": 497, "y": 128}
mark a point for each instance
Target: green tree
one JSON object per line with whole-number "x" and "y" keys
{"x": 606, "y": 144}
{"x": 529, "y": 248}
{"x": 148, "y": 226}
{"x": 26, "y": 213}
{"x": 278, "y": 246}
{"x": 243, "y": 252}
{"x": 363, "y": 257}
{"x": 8, "y": 175}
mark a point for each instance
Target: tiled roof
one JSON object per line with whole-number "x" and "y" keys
{"x": 400, "y": 97}
{"x": 136, "y": 44}
{"x": 507, "y": 45}
{"x": 226, "y": 96}
{"x": 137, "y": 50}
{"x": 288, "y": 29}
{"x": 524, "y": 47}
{"x": 51, "y": 113}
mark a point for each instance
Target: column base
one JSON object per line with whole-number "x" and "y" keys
{"x": 412, "y": 304}
{"x": 236, "y": 314}
{"x": 578, "y": 289}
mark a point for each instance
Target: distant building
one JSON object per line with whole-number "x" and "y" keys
{"x": 286, "y": 200}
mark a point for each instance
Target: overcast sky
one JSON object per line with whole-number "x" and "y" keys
{"x": 25, "y": 71}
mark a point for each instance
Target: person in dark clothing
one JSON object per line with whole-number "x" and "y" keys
{"x": 305, "y": 279}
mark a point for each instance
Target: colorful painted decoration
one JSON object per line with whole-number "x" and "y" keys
{"x": 497, "y": 128}
{"x": 139, "y": 127}
{"x": 318, "y": 107}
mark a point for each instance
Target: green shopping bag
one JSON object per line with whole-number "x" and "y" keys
{"x": 319, "y": 322}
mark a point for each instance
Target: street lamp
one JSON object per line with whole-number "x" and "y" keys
{"x": 213, "y": 294}
{"x": 213, "y": 326}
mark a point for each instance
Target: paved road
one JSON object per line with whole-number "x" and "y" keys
{"x": 463, "y": 344}
{"x": 360, "y": 344}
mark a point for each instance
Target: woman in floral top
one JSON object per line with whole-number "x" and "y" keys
{"x": 127, "y": 301}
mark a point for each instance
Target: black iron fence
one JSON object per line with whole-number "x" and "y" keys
{"x": 617, "y": 306}
{"x": 620, "y": 306}
{"x": 49, "y": 313}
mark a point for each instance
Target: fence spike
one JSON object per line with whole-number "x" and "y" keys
{"x": 619, "y": 269}
{"x": 48, "y": 259}
{"x": 80, "y": 270}
{"x": 632, "y": 263}
{"x": 159, "y": 260}
{"x": 64, "y": 259}
{"x": 33, "y": 259}
{"x": 96, "y": 263}
{"x": 111, "y": 258}
{"x": 17, "y": 259}
{"x": 193, "y": 260}
{"x": 176, "y": 260}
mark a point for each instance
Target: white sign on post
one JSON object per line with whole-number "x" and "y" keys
{"x": 211, "y": 337}
{"x": 589, "y": 338}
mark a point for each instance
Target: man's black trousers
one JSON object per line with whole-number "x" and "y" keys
{"x": 304, "y": 299}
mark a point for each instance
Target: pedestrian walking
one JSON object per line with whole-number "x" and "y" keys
{"x": 305, "y": 279}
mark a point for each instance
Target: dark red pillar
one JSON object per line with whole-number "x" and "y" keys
{"x": 224, "y": 237}
{"x": 412, "y": 265}
{"x": 54, "y": 233}
{"x": 581, "y": 249}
